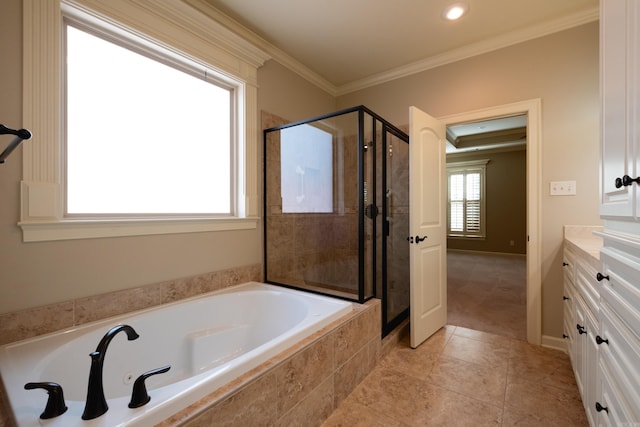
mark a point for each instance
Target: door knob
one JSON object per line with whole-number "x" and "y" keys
{"x": 420, "y": 239}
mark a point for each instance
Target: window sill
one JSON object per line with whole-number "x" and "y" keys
{"x": 458, "y": 237}
{"x": 41, "y": 231}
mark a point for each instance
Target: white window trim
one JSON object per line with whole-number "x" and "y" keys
{"x": 178, "y": 27}
{"x": 469, "y": 166}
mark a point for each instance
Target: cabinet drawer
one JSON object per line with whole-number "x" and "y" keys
{"x": 587, "y": 285}
{"x": 622, "y": 355}
{"x": 569, "y": 265}
{"x": 621, "y": 291}
{"x": 617, "y": 412}
{"x": 568, "y": 300}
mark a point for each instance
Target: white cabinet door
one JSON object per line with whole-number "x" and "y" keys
{"x": 619, "y": 44}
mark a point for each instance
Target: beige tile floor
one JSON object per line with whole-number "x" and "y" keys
{"x": 463, "y": 377}
{"x": 480, "y": 372}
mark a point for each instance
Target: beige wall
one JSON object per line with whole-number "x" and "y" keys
{"x": 506, "y": 203}
{"x": 285, "y": 94}
{"x": 562, "y": 70}
{"x": 35, "y": 274}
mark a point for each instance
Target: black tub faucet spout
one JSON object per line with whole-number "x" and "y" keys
{"x": 96, "y": 403}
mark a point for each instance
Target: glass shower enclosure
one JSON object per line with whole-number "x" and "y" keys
{"x": 336, "y": 209}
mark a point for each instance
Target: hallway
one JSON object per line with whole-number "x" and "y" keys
{"x": 487, "y": 292}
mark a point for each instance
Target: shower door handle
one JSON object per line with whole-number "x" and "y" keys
{"x": 420, "y": 239}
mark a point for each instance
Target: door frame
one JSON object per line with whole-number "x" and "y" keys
{"x": 533, "y": 109}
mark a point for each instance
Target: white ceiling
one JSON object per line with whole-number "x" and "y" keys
{"x": 354, "y": 43}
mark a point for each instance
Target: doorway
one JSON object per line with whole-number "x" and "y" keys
{"x": 532, "y": 110}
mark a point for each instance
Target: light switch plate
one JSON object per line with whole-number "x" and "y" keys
{"x": 562, "y": 188}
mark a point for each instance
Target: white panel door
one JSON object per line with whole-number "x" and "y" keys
{"x": 428, "y": 221}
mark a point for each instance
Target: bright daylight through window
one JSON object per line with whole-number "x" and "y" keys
{"x": 306, "y": 159}
{"x": 143, "y": 137}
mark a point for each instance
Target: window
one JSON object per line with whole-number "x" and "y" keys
{"x": 306, "y": 170}
{"x": 143, "y": 137}
{"x": 217, "y": 168}
{"x": 466, "y": 201}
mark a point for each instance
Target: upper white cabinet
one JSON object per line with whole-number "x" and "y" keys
{"x": 620, "y": 86}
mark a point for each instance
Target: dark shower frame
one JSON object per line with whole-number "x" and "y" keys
{"x": 387, "y": 326}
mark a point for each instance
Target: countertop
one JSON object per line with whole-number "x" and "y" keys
{"x": 582, "y": 241}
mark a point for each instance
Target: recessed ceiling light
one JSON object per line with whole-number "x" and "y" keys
{"x": 455, "y": 11}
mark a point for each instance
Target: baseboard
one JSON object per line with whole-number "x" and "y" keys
{"x": 554, "y": 342}
{"x": 462, "y": 251}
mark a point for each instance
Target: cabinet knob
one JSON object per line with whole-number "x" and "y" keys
{"x": 601, "y": 408}
{"x": 600, "y": 276}
{"x": 600, "y": 340}
{"x": 581, "y": 329}
{"x": 626, "y": 180}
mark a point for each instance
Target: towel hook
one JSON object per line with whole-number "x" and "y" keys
{"x": 20, "y": 135}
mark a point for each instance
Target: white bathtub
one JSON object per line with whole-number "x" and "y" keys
{"x": 207, "y": 340}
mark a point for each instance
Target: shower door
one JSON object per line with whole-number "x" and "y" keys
{"x": 394, "y": 154}
{"x": 336, "y": 207}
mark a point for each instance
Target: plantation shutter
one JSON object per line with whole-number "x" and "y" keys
{"x": 466, "y": 199}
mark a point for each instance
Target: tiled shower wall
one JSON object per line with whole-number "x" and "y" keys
{"x": 313, "y": 249}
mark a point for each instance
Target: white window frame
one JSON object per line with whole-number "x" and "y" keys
{"x": 474, "y": 166}
{"x": 175, "y": 26}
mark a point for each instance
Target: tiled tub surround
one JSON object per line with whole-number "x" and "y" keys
{"x": 36, "y": 321}
{"x": 208, "y": 341}
{"x": 317, "y": 373}
{"x": 301, "y": 386}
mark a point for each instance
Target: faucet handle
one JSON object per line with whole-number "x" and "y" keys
{"x": 55, "y": 402}
{"x": 139, "y": 396}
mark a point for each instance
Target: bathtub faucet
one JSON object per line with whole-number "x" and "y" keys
{"x": 96, "y": 404}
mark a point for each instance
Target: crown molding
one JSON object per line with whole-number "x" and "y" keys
{"x": 425, "y": 64}
{"x": 274, "y": 52}
{"x": 474, "y": 49}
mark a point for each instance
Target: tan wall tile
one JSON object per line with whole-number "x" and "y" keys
{"x": 115, "y": 303}
{"x": 251, "y": 406}
{"x": 303, "y": 372}
{"x": 24, "y": 324}
{"x": 313, "y": 410}
{"x": 350, "y": 374}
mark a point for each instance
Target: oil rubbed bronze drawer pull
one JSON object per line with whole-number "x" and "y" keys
{"x": 626, "y": 180}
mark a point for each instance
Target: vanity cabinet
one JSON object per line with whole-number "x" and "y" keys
{"x": 581, "y": 325}
{"x": 620, "y": 112}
